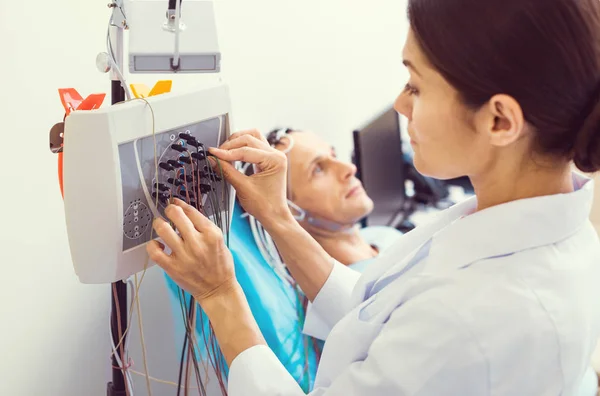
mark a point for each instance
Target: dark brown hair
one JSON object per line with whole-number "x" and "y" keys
{"x": 543, "y": 53}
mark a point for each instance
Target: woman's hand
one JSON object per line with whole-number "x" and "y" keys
{"x": 203, "y": 266}
{"x": 263, "y": 194}
{"x": 200, "y": 262}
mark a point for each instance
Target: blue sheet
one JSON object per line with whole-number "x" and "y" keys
{"x": 276, "y": 306}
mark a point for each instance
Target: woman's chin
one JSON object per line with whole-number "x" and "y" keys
{"x": 436, "y": 171}
{"x": 422, "y": 167}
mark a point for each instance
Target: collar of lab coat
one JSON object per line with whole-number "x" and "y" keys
{"x": 459, "y": 239}
{"x": 509, "y": 228}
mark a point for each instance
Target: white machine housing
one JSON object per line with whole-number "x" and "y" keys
{"x": 151, "y": 47}
{"x": 109, "y": 174}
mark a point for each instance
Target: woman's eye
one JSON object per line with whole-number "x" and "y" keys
{"x": 317, "y": 169}
{"x": 410, "y": 89}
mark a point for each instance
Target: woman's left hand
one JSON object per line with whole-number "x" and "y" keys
{"x": 199, "y": 262}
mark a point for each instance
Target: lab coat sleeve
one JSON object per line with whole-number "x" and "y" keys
{"x": 332, "y": 302}
{"x": 257, "y": 371}
{"x": 424, "y": 349}
{"x": 420, "y": 351}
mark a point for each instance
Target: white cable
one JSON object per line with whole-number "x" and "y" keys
{"x": 257, "y": 239}
{"x": 272, "y": 248}
{"x": 261, "y": 247}
{"x": 263, "y": 240}
{"x": 128, "y": 380}
{"x": 113, "y": 62}
{"x": 177, "y": 30}
{"x": 268, "y": 250}
{"x": 126, "y": 349}
{"x": 135, "y": 297}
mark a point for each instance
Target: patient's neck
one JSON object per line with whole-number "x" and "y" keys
{"x": 347, "y": 247}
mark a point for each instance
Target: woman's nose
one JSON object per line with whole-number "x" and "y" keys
{"x": 403, "y": 105}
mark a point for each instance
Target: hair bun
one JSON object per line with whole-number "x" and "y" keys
{"x": 587, "y": 145}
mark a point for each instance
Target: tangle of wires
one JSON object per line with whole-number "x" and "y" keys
{"x": 271, "y": 255}
{"x": 120, "y": 350}
{"x": 188, "y": 176}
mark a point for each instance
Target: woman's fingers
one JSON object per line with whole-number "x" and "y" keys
{"x": 252, "y": 132}
{"x": 245, "y": 140}
{"x": 199, "y": 221}
{"x": 168, "y": 234}
{"x": 181, "y": 221}
{"x": 231, "y": 174}
{"x": 157, "y": 254}
{"x": 246, "y": 154}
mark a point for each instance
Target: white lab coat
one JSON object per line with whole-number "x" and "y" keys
{"x": 503, "y": 302}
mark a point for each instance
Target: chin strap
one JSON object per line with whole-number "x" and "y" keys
{"x": 324, "y": 224}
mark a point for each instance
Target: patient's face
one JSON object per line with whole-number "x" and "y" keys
{"x": 322, "y": 184}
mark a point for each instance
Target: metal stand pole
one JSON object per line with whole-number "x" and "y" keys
{"x": 118, "y": 384}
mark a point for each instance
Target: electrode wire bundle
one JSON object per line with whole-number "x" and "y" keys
{"x": 205, "y": 181}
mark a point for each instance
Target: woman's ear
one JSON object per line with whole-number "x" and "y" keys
{"x": 501, "y": 118}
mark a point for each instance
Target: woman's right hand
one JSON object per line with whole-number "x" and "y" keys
{"x": 263, "y": 195}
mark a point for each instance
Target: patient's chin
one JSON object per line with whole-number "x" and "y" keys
{"x": 363, "y": 208}
{"x": 368, "y": 205}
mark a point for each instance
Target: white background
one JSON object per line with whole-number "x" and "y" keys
{"x": 324, "y": 65}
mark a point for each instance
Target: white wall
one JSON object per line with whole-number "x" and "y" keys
{"x": 322, "y": 65}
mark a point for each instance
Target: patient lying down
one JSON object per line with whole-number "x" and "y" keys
{"x": 328, "y": 200}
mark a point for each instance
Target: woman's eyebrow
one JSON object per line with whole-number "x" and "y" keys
{"x": 410, "y": 65}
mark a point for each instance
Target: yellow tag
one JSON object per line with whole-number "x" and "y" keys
{"x": 142, "y": 90}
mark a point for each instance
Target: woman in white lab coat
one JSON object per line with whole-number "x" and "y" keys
{"x": 499, "y": 294}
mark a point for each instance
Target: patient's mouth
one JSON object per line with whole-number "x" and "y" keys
{"x": 354, "y": 190}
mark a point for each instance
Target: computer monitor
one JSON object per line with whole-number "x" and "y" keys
{"x": 381, "y": 168}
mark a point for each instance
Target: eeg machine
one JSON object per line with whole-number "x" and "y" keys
{"x": 119, "y": 166}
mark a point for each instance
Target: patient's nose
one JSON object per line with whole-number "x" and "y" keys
{"x": 346, "y": 170}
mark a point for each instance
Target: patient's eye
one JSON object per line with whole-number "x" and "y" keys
{"x": 317, "y": 169}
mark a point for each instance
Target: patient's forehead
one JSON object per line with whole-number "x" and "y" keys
{"x": 308, "y": 145}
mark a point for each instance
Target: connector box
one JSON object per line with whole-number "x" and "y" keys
{"x": 123, "y": 163}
